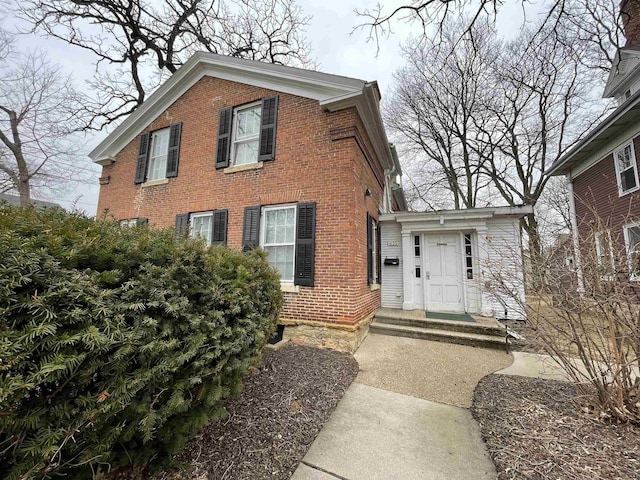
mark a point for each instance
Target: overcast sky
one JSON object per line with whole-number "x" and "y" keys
{"x": 338, "y": 49}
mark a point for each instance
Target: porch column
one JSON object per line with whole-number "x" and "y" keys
{"x": 407, "y": 271}
{"x": 483, "y": 263}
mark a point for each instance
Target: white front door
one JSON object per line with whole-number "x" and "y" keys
{"x": 443, "y": 277}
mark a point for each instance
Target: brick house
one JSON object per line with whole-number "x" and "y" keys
{"x": 248, "y": 154}
{"x": 602, "y": 171}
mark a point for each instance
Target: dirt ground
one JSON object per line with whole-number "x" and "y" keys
{"x": 271, "y": 425}
{"x": 541, "y": 429}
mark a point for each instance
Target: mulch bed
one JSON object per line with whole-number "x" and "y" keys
{"x": 272, "y": 424}
{"x": 541, "y": 429}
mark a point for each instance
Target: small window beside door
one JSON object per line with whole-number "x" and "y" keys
{"x": 468, "y": 256}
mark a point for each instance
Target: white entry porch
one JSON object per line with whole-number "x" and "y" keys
{"x": 447, "y": 261}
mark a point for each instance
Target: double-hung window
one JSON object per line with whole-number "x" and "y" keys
{"x": 246, "y": 134}
{"x": 158, "y": 154}
{"x": 201, "y": 226}
{"x": 278, "y": 239}
{"x": 632, "y": 242}
{"x": 158, "y": 157}
{"x": 626, "y": 169}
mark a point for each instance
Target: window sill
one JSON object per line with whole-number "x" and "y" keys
{"x": 374, "y": 287}
{"x": 242, "y": 168}
{"x": 155, "y": 183}
{"x": 632, "y": 190}
{"x": 289, "y": 288}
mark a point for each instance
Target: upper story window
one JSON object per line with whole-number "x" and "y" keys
{"x": 158, "y": 154}
{"x": 246, "y": 134}
{"x": 632, "y": 241}
{"x": 626, "y": 169}
{"x": 158, "y": 157}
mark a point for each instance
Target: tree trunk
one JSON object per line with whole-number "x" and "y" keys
{"x": 536, "y": 264}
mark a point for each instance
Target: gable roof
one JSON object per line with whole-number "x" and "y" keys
{"x": 625, "y": 68}
{"x": 619, "y": 119}
{"x": 333, "y": 92}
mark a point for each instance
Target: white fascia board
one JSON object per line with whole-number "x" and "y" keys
{"x": 461, "y": 214}
{"x": 295, "y": 81}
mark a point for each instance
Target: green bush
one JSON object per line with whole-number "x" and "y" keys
{"x": 117, "y": 344}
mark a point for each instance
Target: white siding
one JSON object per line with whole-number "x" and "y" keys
{"x": 390, "y": 233}
{"x": 502, "y": 273}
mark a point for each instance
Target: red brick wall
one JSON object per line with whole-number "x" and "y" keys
{"x": 312, "y": 163}
{"x": 599, "y": 206}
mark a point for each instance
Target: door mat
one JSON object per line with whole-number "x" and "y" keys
{"x": 460, "y": 317}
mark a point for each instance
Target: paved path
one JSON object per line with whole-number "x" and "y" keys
{"x": 387, "y": 427}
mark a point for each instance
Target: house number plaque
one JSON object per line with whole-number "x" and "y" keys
{"x": 393, "y": 243}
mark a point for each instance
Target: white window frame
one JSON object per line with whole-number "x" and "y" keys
{"x": 234, "y": 130}
{"x": 192, "y": 217}
{"x": 634, "y": 165}
{"x": 152, "y": 159}
{"x": 602, "y": 255}
{"x": 263, "y": 227}
{"x": 129, "y": 222}
{"x": 627, "y": 245}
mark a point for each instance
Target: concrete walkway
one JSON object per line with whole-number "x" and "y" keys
{"x": 387, "y": 427}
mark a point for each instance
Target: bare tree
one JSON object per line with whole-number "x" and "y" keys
{"x": 542, "y": 104}
{"x": 598, "y": 22}
{"x": 434, "y": 109}
{"x": 38, "y": 115}
{"x": 137, "y": 43}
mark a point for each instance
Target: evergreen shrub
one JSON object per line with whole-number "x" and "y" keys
{"x": 117, "y": 344}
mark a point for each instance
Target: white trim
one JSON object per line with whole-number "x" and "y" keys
{"x": 234, "y": 130}
{"x": 574, "y": 235}
{"x": 263, "y": 223}
{"x": 192, "y": 216}
{"x": 634, "y": 165}
{"x": 151, "y": 159}
{"x": 304, "y": 83}
{"x": 625, "y": 232}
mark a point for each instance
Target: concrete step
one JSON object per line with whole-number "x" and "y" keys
{"x": 437, "y": 324}
{"x": 461, "y": 338}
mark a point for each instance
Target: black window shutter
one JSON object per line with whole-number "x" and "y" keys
{"x": 219, "y": 227}
{"x": 173, "y": 155}
{"x": 268, "y": 129}
{"x": 182, "y": 225}
{"x": 142, "y": 221}
{"x": 305, "y": 245}
{"x": 370, "y": 259}
{"x": 143, "y": 154}
{"x": 224, "y": 138}
{"x": 251, "y": 228}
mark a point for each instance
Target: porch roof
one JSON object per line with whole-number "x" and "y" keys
{"x": 447, "y": 216}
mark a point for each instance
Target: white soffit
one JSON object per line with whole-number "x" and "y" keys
{"x": 327, "y": 89}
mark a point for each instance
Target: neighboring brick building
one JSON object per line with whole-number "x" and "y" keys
{"x": 602, "y": 171}
{"x": 245, "y": 153}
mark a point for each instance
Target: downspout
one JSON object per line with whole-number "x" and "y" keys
{"x": 574, "y": 235}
